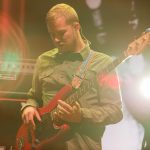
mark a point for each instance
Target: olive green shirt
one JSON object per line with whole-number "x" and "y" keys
{"x": 100, "y": 105}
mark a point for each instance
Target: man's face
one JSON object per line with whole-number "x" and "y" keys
{"x": 63, "y": 34}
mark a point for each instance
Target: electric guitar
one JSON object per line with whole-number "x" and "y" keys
{"x": 45, "y": 132}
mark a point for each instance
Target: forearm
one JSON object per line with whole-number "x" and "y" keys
{"x": 106, "y": 114}
{"x": 34, "y": 94}
{"x": 106, "y": 109}
{"x": 94, "y": 120}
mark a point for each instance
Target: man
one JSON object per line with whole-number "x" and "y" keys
{"x": 94, "y": 109}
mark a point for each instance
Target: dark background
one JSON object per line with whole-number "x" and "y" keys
{"x": 115, "y": 16}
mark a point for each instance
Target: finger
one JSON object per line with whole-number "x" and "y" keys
{"x": 60, "y": 114}
{"x": 64, "y": 110}
{"x": 65, "y": 105}
{"x": 38, "y": 116}
{"x": 30, "y": 119}
{"x": 56, "y": 117}
{"x": 76, "y": 107}
{"x": 25, "y": 118}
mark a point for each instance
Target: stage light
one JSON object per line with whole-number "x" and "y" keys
{"x": 93, "y": 4}
{"x": 145, "y": 87}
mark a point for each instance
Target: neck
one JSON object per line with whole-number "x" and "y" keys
{"x": 80, "y": 44}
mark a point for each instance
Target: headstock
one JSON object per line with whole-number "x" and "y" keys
{"x": 137, "y": 46}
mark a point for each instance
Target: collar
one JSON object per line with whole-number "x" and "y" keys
{"x": 72, "y": 56}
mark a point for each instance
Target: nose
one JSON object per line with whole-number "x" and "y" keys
{"x": 56, "y": 38}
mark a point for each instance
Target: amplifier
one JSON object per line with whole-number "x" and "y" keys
{"x": 15, "y": 78}
{"x": 15, "y": 81}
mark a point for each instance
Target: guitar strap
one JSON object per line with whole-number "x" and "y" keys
{"x": 80, "y": 73}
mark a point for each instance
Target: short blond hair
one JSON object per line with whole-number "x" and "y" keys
{"x": 62, "y": 10}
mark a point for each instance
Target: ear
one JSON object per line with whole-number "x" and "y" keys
{"x": 77, "y": 25}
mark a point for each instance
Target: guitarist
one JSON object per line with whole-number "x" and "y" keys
{"x": 96, "y": 108}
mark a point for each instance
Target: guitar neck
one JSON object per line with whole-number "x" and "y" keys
{"x": 89, "y": 84}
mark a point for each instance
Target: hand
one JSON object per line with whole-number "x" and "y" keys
{"x": 69, "y": 113}
{"x": 28, "y": 115}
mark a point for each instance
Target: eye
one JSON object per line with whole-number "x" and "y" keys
{"x": 58, "y": 34}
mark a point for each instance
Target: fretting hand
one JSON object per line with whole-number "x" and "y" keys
{"x": 68, "y": 113}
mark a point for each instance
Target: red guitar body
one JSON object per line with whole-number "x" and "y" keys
{"x": 28, "y": 139}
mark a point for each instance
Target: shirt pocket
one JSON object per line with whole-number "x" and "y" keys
{"x": 50, "y": 80}
{"x": 46, "y": 73}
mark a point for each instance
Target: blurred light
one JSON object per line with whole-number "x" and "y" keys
{"x": 93, "y": 4}
{"x": 11, "y": 56}
{"x": 109, "y": 80}
{"x": 145, "y": 87}
{"x": 9, "y": 62}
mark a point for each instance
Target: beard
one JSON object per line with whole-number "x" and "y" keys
{"x": 66, "y": 47}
